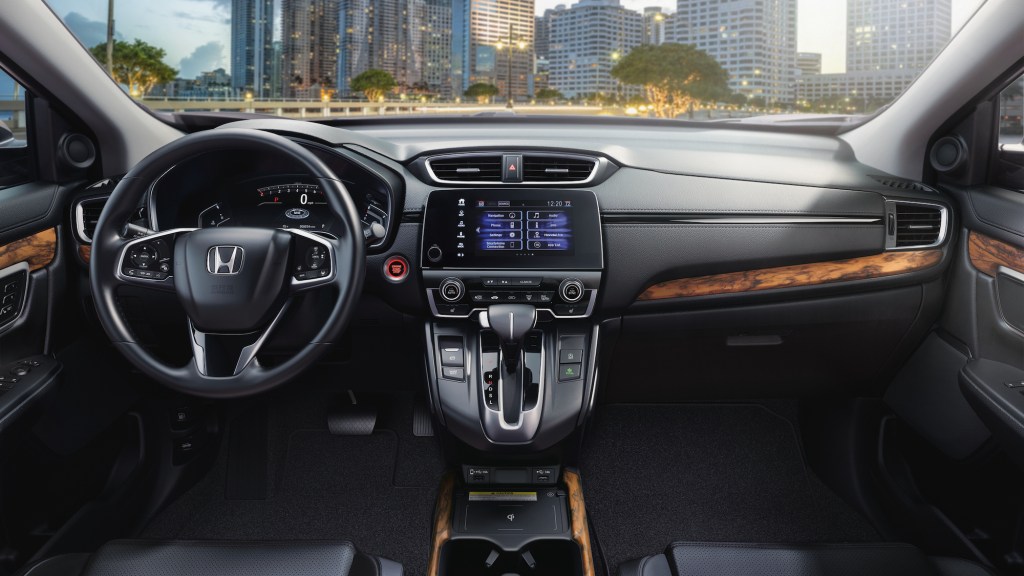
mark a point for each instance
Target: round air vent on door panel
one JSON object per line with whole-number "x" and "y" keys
{"x": 948, "y": 153}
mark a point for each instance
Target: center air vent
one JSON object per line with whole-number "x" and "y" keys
{"x": 466, "y": 168}
{"x": 915, "y": 225}
{"x": 513, "y": 167}
{"x": 87, "y": 214}
{"x": 557, "y": 168}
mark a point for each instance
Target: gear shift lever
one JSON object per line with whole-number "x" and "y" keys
{"x": 511, "y": 322}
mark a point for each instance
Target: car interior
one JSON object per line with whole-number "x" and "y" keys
{"x": 725, "y": 349}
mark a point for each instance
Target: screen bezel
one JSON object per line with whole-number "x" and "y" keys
{"x": 441, "y": 214}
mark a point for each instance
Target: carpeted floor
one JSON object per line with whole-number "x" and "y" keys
{"x": 714, "y": 472}
{"x": 377, "y": 491}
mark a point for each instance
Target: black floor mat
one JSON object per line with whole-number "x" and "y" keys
{"x": 657, "y": 474}
{"x": 325, "y": 487}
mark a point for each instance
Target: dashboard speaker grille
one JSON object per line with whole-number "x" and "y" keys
{"x": 467, "y": 168}
{"x": 556, "y": 168}
{"x": 917, "y": 225}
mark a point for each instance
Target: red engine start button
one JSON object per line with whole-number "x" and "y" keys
{"x": 396, "y": 269}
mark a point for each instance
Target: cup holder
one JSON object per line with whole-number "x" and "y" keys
{"x": 474, "y": 557}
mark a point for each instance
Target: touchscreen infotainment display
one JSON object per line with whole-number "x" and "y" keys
{"x": 518, "y": 225}
{"x": 514, "y": 228}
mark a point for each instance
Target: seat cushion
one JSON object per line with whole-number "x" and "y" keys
{"x": 218, "y": 558}
{"x": 728, "y": 559}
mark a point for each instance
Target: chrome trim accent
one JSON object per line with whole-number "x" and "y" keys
{"x": 778, "y": 220}
{"x": 80, "y": 216}
{"x": 599, "y": 162}
{"x": 245, "y": 356}
{"x": 529, "y": 420}
{"x": 890, "y": 240}
{"x": 472, "y": 309}
{"x": 11, "y": 271}
{"x": 1010, "y": 272}
{"x": 313, "y": 282}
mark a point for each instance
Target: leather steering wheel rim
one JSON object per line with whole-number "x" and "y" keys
{"x": 108, "y": 244}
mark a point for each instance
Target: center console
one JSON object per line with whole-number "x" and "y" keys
{"x": 511, "y": 277}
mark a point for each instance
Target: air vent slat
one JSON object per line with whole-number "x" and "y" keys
{"x": 469, "y": 168}
{"x": 556, "y": 168}
{"x": 917, "y": 225}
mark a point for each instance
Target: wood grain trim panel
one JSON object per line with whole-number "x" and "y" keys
{"x": 38, "y": 250}
{"x": 875, "y": 266}
{"x": 578, "y": 519}
{"x": 85, "y": 252}
{"x": 988, "y": 254}
{"x": 442, "y": 522}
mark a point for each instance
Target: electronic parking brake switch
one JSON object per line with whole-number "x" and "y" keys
{"x": 453, "y": 358}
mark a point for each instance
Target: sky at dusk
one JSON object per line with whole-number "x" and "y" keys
{"x": 196, "y": 33}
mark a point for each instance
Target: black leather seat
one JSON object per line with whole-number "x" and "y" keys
{"x": 217, "y": 558}
{"x": 727, "y": 559}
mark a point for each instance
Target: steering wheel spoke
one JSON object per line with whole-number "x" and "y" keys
{"x": 227, "y": 355}
{"x": 313, "y": 260}
{"x": 148, "y": 261}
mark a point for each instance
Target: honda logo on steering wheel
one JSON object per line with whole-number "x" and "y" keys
{"x": 225, "y": 260}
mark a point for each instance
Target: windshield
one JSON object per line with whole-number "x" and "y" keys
{"x": 776, "y": 61}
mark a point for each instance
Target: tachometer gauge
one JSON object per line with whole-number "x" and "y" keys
{"x": 289, "y": 195}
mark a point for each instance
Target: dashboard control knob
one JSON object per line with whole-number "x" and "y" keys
{"x": 434, "y": 253}
{"x": 571, "y": 290}
{"x": 452, "y": 289}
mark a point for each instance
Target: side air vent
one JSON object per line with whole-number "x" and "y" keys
{"x": 915, "y": 224}
{"x": 87, "y": 214}
{"x": 465, "y": 168}
{"x": 557, "y": 168}
{"x": 903, "y": 184}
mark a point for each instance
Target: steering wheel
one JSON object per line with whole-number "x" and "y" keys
{"x": 235, "y": 284}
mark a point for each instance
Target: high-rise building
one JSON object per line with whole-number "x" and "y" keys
{"x": 587, "y": 40}
{"x": 409, "y": 39}
{"x": 310, "y": 37}
{"x": 654, "y": 25}
{"x": 437, "y": 47}
{"x": 754, "y": 40}
{"x": 252, "y": 37}
{"x": 808, "y": 63}
{"x": 277, "y": 79}
{"x": 492, "y": 43}
{"x": 886, "y": 35}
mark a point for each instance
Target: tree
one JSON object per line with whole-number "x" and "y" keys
{"x": 138, "y": 65}
{"x": 549, "y": 94}
{"x": 374, "y": 84}
{"x": 481, "y": 91}
{"x": 674, "y": 76}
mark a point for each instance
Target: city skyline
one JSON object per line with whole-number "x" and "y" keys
{"x": 196, "y": 33}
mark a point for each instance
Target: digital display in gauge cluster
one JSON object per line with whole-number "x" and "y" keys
{"x": 289, "y": 205}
